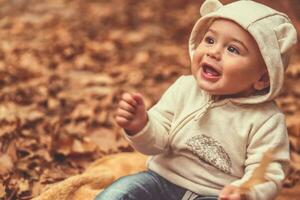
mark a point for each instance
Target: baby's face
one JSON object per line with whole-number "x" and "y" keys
{"x": 227, "y": 61}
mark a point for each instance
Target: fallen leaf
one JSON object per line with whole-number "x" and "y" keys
{"x": 23, "y": 186}
{"x": 2, "y": 190}
{"x": 6, "y": 164}
{"x": 83, "y": 147}
{"x": 258, "y": 175}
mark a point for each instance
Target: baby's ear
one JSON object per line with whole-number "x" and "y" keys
{"x": 263, "y": 82}
{"x": 210, "y": 6}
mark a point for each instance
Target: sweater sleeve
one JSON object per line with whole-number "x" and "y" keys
{"x": 272, "y": 134}
{"x": 153, "y": 138}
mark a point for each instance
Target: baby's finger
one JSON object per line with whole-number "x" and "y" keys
{"x": 129, "y": 99}
{"x": 124, "y": 113}
{"x": 138, "y": 98}
{"x": 121, "y": 121}
{"x": 235, "y": 196}
{"x": 226, "y": 192}
{"x": 126, "y": 106}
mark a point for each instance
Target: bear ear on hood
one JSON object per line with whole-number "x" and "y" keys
{"x": 210, "y": 6}
{"x": 286, "y": 35}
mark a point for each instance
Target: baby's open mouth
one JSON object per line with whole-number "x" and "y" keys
{"x": 210, "y": 70}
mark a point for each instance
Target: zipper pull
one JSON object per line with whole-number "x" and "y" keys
{"x": 203, "y": 110}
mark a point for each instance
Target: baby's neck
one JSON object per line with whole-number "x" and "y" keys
{"x": 229, "y": 96}
{"x": 243, "y": 94}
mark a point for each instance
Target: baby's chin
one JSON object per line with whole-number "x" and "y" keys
{"x": 216, "y": 92}
{"x": 210, "y": 88}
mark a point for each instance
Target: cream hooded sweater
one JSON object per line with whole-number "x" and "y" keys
{"x": 203, "y": 145}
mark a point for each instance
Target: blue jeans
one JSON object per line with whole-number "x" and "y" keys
{"x": 147, "y": 185}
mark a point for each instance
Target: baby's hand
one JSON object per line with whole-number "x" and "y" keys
{"x": 231, "y": 192}
{"x": 131, "y": 113}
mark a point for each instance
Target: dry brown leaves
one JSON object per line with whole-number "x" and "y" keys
{"x": 289, "y": 103}
{"x": 63, "y": 66}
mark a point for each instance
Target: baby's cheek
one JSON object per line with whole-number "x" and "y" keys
{"x": 196, "y": 60}
{"x": 195, "y": 56}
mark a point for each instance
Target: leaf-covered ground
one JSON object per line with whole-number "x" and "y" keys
{"x": 65, "y": 63}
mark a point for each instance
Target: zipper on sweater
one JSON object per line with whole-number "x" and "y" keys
{"x": 202, "y": 110}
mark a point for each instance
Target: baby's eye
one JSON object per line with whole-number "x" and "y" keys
{"x": 233, "y": 50}
{"x": 209, "y": 40}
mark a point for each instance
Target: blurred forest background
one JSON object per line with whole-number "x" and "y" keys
{"x": 64, "y": 65}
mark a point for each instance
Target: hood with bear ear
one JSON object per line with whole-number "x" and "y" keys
{"x": 272, "y": 30}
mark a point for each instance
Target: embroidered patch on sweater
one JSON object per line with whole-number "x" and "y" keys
{"x": 211, "y": 151}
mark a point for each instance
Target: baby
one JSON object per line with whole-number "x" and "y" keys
{"x": 209, "y": 130}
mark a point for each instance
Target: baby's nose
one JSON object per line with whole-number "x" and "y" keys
{"x": 214, "y": 52}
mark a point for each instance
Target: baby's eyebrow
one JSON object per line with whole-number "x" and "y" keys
{"x": 211, "y": 30}
{"x": 231, "y": 38}
{"x": 241, "y": 43}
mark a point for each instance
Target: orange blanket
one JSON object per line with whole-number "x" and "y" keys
{"x": 97, "y": 176}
